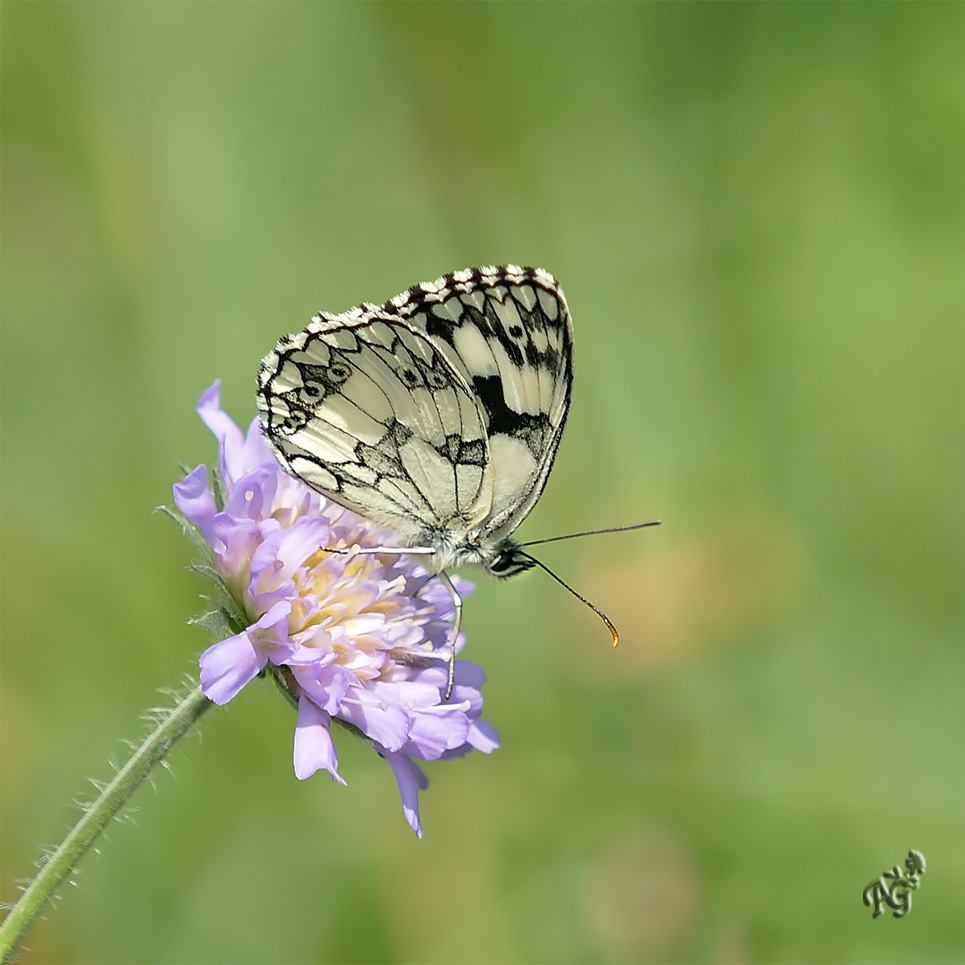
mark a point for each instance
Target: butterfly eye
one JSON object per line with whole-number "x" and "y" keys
{"x": 501, "y": 564}
{"x": 508, "y": 563}
{"x": 338, "y": 373}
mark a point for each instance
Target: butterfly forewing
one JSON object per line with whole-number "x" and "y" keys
{"x": 437, "y": 414}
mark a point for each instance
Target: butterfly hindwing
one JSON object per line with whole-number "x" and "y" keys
{"x": 437, "y": 412}
{"x": 366, "y": 411}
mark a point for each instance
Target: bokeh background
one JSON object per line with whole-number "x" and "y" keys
{"x": 756, "y": 212}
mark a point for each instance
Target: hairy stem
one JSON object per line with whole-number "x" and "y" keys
{"x": 174, "y": 723}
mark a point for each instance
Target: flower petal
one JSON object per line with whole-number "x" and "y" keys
{"x": 252, "y": 495}
{"x": 227, "y": 666}
{"x": 433, "y": 734}
{"x": 256, "y": 451}
{"x": 230, "y": 439}
{"x": 387, "y": 724}
{"x": 483, "y": 736}
{"x": 324, "y": 684}
{"x": 314, "y": 747}
{"x": 411, "y": 780}
{"x": 194, "y": 499}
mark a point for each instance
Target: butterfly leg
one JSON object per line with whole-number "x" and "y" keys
{"x": 453, "y": 592}
{"x": 454, "y": 629}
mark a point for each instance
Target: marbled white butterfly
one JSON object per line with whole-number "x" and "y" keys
{"x": 437, "y": 415}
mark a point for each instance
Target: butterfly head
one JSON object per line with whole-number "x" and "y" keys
{"x": 508, "y": 561}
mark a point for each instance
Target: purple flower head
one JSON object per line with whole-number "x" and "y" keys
{"x": 359, "y": 638}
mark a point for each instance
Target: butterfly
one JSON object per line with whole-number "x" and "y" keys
{"x": 437, "y": 414}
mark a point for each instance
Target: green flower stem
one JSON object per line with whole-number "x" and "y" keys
{"x": 173, "y": 725}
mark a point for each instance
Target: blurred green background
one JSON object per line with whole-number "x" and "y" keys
{"x": 756, "y": 213}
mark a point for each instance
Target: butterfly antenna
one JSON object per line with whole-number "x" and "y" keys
{"x": 592, "y": 532}
{"x": 566, "y": 586}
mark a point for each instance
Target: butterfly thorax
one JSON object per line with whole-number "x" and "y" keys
{"x": 500, "y": 558}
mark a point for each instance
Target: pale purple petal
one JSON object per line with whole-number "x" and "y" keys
{"x": 193, "y": 497}
{"x": 282, "y": 552}
{"x": 230, "y": 439}
{"x": 314, "y": 748}
{"x": 431, "y": 734}
{"x": 233, "y": 541}
{"x": 483, "y": 736}
{"x": 227, "y": 666}
{"x": 468, "y": 680}
{"x": 387, "y": 724}
{"x": 325, "y": 684}
{"x": 270, "y": 633}
{"x": 253, "y": 495}
{"x": 256, "y": 451}
{"x": 411, "y": 780}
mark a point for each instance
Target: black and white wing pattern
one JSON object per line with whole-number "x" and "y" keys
{"x": 437, "y": 414}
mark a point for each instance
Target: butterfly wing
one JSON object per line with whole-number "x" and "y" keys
{"x": 366, "y": 410}
{"x": 508, "y": 332}
{"x": 439, "y": 412}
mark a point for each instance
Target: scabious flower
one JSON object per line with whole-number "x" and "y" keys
{"x": 359, "y": 638}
